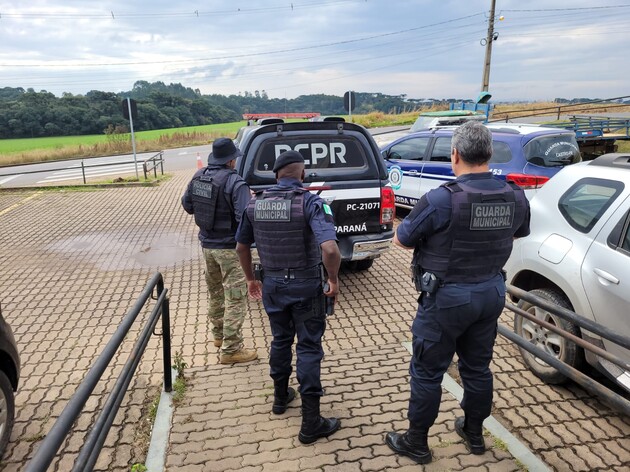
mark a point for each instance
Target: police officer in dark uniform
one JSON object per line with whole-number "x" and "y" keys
{"x": 217, "y": 197}
{"x": 295, "y": 234}
{"x": 462, "y": 234}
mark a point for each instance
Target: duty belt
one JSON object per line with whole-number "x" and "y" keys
{"x": 310, "y": 273}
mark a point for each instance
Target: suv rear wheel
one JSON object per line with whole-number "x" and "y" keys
{"x": 550, "y": 342}
{"x": 7, "y": 411}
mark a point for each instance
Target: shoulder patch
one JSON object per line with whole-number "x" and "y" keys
{"x": 327, "y": 209}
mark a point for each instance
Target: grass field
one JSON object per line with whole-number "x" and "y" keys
{"x": 21, "y": 151}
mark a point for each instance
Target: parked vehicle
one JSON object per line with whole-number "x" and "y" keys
{"x": 431, "y": 120}
{"x": 528, "y": 155}
{"x": 578, "y": 257}
{"x": 9, "y": 379}
{"x": 343, "y": 166}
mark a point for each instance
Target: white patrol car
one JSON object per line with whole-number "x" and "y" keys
{"x": 343, "y": 166}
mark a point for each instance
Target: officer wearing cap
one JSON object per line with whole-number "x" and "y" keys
{"x": 295, "y": 234}
{"x": 462, "y": 234}
{"x": 217, "y": 197}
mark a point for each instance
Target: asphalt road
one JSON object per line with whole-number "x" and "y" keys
{"x": 97, "y": 168}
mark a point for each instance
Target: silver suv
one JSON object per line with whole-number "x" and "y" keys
{"x": 578, "y": 256}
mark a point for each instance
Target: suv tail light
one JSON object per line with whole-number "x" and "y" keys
{"x": 526, "y": 181}
{"x": 388, "y": 206}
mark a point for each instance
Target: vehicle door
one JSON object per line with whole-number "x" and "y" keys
{"x": 606, "y": 277}
{"x": 406, "y": 158}
{"x": 437, "y": 168}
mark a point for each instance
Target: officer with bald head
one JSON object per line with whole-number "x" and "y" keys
{"x": 296, "y": 241}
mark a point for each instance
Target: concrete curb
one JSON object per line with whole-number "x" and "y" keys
{"x": 156, "y": 456}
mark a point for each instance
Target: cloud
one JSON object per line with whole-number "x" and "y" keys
{"x": 415, "y": 47}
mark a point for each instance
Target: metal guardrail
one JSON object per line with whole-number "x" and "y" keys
{"x": 147, "y": 165}
{"x": 591, "y": 385}
{"x": 94, "y": 442}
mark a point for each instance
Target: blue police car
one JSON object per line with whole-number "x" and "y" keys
{"x": 528, "y": 155}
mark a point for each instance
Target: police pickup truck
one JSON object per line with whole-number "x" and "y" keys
{"x": 343, "y": 166}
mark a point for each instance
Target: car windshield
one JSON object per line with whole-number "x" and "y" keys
{"x": 423, "y": 122}
{"x": 446, "y": 119}
{"x": 553, "y": 150}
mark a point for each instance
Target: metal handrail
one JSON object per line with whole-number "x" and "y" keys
{"x": 614, "y": 399}
{"x": 152, "y": 163}
{"x": 92, "y": 447}
{"x": 83, "y": 167}
{"x": 589, "y": 325}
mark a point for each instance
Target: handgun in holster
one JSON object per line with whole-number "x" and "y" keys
{"x": 416, "y": 276}
{"x": 258, "y": 272}
{"x": 330, "y": 301}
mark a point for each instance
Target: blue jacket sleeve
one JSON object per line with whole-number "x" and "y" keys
{"x": 187, "y": 200}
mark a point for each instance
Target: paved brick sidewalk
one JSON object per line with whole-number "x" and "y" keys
{"x": 72, "y": 264}
{"x": 225, "y": 423}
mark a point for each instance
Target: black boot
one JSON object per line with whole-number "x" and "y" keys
{"x": 412, "y": 444}
{"x": 314, "y": 426}
{"x": 472, "y": 432}
{"x": 282, "y": 396}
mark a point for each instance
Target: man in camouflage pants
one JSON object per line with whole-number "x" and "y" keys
{"x": 217, "y": 197}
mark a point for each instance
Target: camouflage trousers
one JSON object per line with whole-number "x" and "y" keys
{"x": 227, "y": 297}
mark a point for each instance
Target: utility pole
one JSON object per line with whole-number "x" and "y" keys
{"x": 491, "y": 37}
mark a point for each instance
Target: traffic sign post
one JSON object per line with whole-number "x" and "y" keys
{"x": 130, "y": 111}
{"x": 349, "y": 102}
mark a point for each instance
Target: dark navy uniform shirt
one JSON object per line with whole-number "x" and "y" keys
{"x": 239, "y": 194}
{"x": 320, "y": 221}
{"x": 433, "y": 212}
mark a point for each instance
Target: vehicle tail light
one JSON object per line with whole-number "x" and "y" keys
{"x": 526, "y": 181}
{"x": 388, "y": 206}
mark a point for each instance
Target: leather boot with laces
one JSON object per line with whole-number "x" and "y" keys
{"x": 282, "y": 396}
{"x": 243, "y": 355}
{"x": 472, "y": 433}
{"x": 412, "y": 444}
{"x": 314, "y": 426}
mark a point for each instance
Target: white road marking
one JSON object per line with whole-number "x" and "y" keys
{"x": 93, "y": 172}
{"x": 63, "y": 177}
{"x": 4, "y": 181}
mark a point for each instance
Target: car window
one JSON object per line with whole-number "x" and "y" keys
{"x": 619, "y": 237}
{"x": 554, "y": 150}
{"x": 626, "y": 241}
{"x": 501, "y": 152}
{"x": 413, "y": 149}
{"x": 587, "y": 200}
{"x": 442, "y": 149}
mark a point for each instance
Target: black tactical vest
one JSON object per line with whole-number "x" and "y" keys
{"x": 213, "y": 211}
{"x": 478, "y": 240}
{"x": 283, "y": 237}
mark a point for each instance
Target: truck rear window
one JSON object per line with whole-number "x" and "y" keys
{"x": 319, "y": 152}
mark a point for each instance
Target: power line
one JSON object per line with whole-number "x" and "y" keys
{"x": 237, "y": 56}
{"x": 190, "y": 14}
{"x": 569, "y": 8}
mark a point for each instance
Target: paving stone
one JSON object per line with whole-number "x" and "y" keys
{"x": 66, "y": 287}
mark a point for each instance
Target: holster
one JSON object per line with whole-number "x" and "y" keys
{"x": 416, "y": 276}
{"x": 429, "y": 283}
{"x": 258, "y": 272}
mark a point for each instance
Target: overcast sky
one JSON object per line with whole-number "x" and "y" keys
{"x": 422, "y": 48}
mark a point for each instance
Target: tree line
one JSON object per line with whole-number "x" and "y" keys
{"x": 31, "y": 114}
